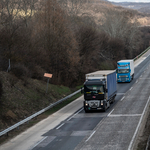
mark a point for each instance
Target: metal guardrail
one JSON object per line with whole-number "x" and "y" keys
{"x": 52, "y": 105}
{"x": 137, "y": 57}
{"x": 36, "y": 114}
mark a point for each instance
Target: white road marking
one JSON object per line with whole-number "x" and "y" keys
{"x": 60, "y": 126}
{"x": 125, "y": 115}
{"x": 137, "y": 81}
{"x": 141, "y": 76}
{"x": 137, "y": 128}
{"x": 122, "y": 98}
{"x": 90, "y": 136}
{"x": 39, "y": 142}
{"x": 110, "y": 113}
{"x": 131, "y": 88}
{"x": 120, "y": 93}
{"x": 75, "y": 114}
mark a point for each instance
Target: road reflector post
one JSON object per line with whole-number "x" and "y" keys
{"x": 48, "y": 76}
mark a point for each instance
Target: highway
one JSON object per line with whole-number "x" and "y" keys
{"x": 71, "y": 128}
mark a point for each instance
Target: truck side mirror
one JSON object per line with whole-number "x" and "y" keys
{"x": 82, "y": 90}
{"x": 106, "y": 90}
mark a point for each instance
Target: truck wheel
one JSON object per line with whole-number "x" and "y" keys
{"x": 113, "y": 100}
{"x": 108, "y": 104}
{"x": 105, "y": 108}
{"x": 132, "y": 77}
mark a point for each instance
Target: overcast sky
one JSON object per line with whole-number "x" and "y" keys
{"x": 144, "y": 1}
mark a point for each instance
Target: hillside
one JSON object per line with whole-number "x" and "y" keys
{"x": 99, "y": 7}
{"x": 143, "y": 10}
{"x": 137, "y": 6}
{"x": 21, "y": 98}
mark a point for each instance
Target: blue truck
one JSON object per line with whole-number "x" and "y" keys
{"x": 125, "y": 70}
{"x": 99, "y": 90}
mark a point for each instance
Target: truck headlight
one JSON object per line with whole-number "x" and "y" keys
{"x": 86, "y": 103}
{"x": 102, "y": 102}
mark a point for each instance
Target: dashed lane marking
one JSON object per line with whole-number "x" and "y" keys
{"x": 75, "y": 114}
{"x": 122, "y": 98}
{"x": 131, "y": 88}
{"x": 110, "y": 113}
{"x": 60, "y": 126}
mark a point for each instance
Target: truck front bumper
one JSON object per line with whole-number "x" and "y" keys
{"x": 123, "y": 80}
{"x": 94, "y": 105}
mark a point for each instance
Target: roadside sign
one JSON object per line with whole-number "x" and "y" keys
{"x": 48, "y": 75}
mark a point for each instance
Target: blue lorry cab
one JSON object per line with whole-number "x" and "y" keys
{"x": 125, "y": 71}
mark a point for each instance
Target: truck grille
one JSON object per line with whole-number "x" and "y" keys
{"x": 94, "y": 104}
{"x": 123, "y": 78}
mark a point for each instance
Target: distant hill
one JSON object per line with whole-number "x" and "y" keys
{"x": 141, "y": 7}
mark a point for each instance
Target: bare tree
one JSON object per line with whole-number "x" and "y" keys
{"x": 120, "y": 24}
{"x": 28, "y": 7}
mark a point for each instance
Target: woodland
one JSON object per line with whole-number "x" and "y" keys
{"x": 65, "y": 38}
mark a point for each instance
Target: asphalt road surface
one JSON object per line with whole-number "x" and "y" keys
{"x": 72, "y": 128}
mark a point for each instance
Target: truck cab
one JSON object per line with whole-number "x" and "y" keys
{"x": 125, "y": 71}
{"x": 95, "y": 95}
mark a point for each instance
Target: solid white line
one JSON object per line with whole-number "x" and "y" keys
{"x": 75, "y": 114}
{"x": 60, "y": 126}
{"x": 90, "y": 136}
{"x": 136, "y": 81}
{"x": 133, "y": 138}
{"x": 131, "y": 88}
{"x": 39, "y": 142}
{"x": 122, "y": 98}
{"x": 110, "y": 113}
{"x": 125, "y": 115}
{"x": 140, "y": 76}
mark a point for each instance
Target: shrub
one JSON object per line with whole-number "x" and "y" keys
{"x": 19, "y": 70}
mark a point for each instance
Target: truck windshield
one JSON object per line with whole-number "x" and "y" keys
{"x": 94, "y": 89}
{"x": 123, "y": 70}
